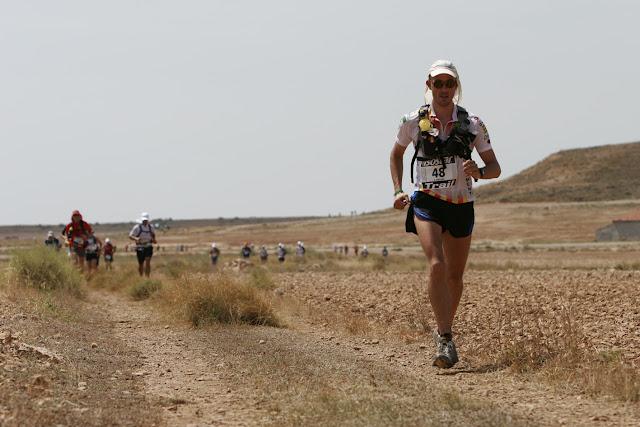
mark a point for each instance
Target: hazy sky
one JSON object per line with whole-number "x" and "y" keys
{"x": 195, "y": 109}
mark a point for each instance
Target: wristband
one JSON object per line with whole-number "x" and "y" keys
{"x": 481, "y": 170}
{"x": 398, "y": 192}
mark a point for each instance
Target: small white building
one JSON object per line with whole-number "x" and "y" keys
{"x": 625, "y": 228}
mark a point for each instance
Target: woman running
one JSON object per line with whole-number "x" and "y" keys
{"x": 441, "y": 207}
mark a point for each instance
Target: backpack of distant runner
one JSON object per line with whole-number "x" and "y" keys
{"x": 92, "y": 245}
{"x": 108, "y": 249}
{"x": 149, "y": 230}
{"x": 74, "y": 237}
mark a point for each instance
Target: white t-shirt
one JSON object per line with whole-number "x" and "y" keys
{"x": 455, "y": 186}
{"x": 144, "y": 232}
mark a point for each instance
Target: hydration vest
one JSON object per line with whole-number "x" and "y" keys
{"x": 149, "y": 230}
{"x": 432, "y": 147}
{"x": 91, "y": 245}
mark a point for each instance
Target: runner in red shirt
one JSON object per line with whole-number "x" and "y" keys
{"x": 108, "y": 250}
{"x": 76, "y": 234}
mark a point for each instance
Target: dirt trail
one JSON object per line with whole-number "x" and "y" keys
{"x": 179, "y": 371}
{"x": 208, "y": 377}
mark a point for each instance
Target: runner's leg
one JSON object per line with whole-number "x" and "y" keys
{"x": 147, "y": 266}
{"x": 456, "y": 252}
{"x": 140, "y": 256}
{"x": 430, "y": 236}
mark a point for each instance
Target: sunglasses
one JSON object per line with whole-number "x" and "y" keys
{"x": 449, "y": 84}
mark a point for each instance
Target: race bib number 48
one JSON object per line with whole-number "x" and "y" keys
{"x": 434, "y": 174}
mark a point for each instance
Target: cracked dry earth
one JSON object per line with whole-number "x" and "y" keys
{"x": 353, "y": 346}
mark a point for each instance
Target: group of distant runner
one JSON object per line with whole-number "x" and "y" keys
{"x": 364, "y": 252}
{"x": 248, "y": 249}
{"x": 85, "y": 248}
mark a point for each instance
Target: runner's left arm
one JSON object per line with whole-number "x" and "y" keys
{"x": 491, "y": 165}
{"x": 482, "y": 144}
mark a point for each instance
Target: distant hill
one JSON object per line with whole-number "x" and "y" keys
{"x": 608, "y": 172}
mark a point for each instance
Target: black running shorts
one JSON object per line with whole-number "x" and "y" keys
{"x": 144, "y": 252}
{"x": 89, "y": 256}
{"x": 457, "y": 219}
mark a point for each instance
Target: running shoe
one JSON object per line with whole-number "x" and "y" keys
{"x": 446, "y": 354}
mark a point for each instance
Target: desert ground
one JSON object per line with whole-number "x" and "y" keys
{"x": 548, "y": 329}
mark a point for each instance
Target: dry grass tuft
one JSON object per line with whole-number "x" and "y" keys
{"x": 44, "y": 269}
{"x": 123, "y": 277}
{"x": 548, "y": 343}
{"x": 175, "y": 266}
{"x": 259, "y": 278}
{"x": 529, "y": 338}
{"x": 379, "y": 263}
{"x": 357, "y": 324}
{"x": 143, "y": 290}
{"x": 627, "y": 266}
{"x": 601, "y": 374}
{"x": 613, "y": 377}
{"x": 206, "y": 299}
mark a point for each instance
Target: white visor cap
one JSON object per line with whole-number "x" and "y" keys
{"x": 144, "y": 217}
{"x": 443, "y": 66}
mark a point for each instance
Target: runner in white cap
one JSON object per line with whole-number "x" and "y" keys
{"x": 264, "y": 254}
{"x": 365, "y": 252}
{"x": 145, "y": 236}
{"x": 281, "y": 251}
{"x": 108, "y": 250}
{"x": 300, "y": 249}
{"x": 441, "y": 207}
{"x": 215, "y": 253}
{"x": 52, "y": 241}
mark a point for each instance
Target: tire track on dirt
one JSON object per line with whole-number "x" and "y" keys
{"x": 247, "y": 375}
{"x": 180, "y": 379}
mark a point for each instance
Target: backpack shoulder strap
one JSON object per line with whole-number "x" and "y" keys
{"x": 422, "y": 112}
{"x": 463, "y": 117}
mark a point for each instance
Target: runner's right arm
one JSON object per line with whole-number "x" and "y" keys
{"x": 401, "y": 199}
{"x": 132, "y": 235}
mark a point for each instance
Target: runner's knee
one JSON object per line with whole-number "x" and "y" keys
{"x": 437, "y": 266}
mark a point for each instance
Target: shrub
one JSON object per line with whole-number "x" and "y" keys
{"x": 527, "y": 343}
{"x": 260, "y": 278}
{"x": 379, "y": 263}
{"x": 116, "y": 279}
{"x": 45, "y": 269}
{"x": 143, "y": 290}
{"x": 175, "y": 268}
{"x": 203, "y": 299}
